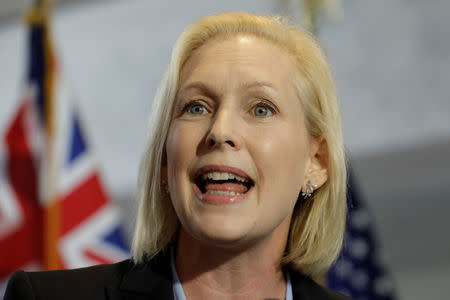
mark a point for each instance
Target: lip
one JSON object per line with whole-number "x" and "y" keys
{"x": 221, "y": 199}
{"x": 221, "y": 168}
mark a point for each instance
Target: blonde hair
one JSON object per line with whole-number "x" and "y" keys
{"x": 318, "y": 223}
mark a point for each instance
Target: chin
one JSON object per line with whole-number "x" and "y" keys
{"x": 225, "y": 232}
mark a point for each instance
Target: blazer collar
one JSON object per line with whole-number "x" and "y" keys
{"x": 305, "y": 288}
{"x": 151, "y": 279}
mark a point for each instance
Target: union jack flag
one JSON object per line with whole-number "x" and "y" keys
{"x": 54, "y": 210}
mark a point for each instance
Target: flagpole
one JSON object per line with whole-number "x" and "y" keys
{"x": 52, "y": 216}
{"x": 312, "y": 10}
{"x": 39, "y": 15}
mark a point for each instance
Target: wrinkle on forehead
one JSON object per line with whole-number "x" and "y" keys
{"x": 226, "y": 49}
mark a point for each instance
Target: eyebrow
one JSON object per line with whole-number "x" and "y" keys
{"x": 253, "y": 84}
{"x": 205, "y": 88}
{"x": 198, "y": 85}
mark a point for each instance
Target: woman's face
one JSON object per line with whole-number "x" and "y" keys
{"x": 238, "y": 149}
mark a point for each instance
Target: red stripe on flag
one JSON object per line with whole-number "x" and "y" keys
{"x": 20, "y": 165}
{"x": 82, "y": 202}
{"x": 96, "y": 257}
{"x": 25, "y": 244}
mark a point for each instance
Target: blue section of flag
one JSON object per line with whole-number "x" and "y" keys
{"x": 359, "y": 272}
{"x": 115, "y": 237}
{"x": 78, "y": 143}
{"x": 36, "y": 65}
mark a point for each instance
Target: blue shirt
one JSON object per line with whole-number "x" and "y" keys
{"x": 177, "y": 288}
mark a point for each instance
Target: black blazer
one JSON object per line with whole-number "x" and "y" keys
{"x": 125, "y": 280}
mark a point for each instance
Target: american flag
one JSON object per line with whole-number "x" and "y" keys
{"x": 359, "y": 272}
{"x": 54, "y": 210}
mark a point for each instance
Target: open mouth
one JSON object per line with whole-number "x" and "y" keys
{"x": 223, "y": 183}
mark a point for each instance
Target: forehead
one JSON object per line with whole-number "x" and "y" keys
{"x": 239, "y": 58}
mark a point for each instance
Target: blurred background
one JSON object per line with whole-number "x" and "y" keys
{"x": 391, "y": 61}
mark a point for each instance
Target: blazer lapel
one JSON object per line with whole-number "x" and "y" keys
{"x": 148, "y": 280}
{"x": 304, "y": 288}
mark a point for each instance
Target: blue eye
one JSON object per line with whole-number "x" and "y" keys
{"x": 261, "y": 111}
{"x": 196, "y": 109}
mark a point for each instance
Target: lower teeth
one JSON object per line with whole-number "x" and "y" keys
{"x": 225, "y": 193}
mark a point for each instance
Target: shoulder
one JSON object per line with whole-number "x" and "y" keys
{"x": 66, "y": 284}
{"x": 303, "y": 287}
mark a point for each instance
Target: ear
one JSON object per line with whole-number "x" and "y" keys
{"x": 317, "y": 172}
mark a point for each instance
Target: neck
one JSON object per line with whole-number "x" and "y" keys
{"x": 211, "y": 272}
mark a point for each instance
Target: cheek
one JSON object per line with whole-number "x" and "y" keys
{"x": 281, "y": 155}
{"x": 182, "y": 144}
{"x": 179, "y": 153}
{"x": 173, "y": 145}
{"x": 180, "y": 147}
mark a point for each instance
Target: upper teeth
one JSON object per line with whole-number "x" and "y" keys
{"x": 222, "y": 176}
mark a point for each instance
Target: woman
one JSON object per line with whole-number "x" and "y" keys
{"x": 242, "y": 185}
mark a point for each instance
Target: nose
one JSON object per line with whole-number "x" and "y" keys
{"x": 223, "y": 131}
